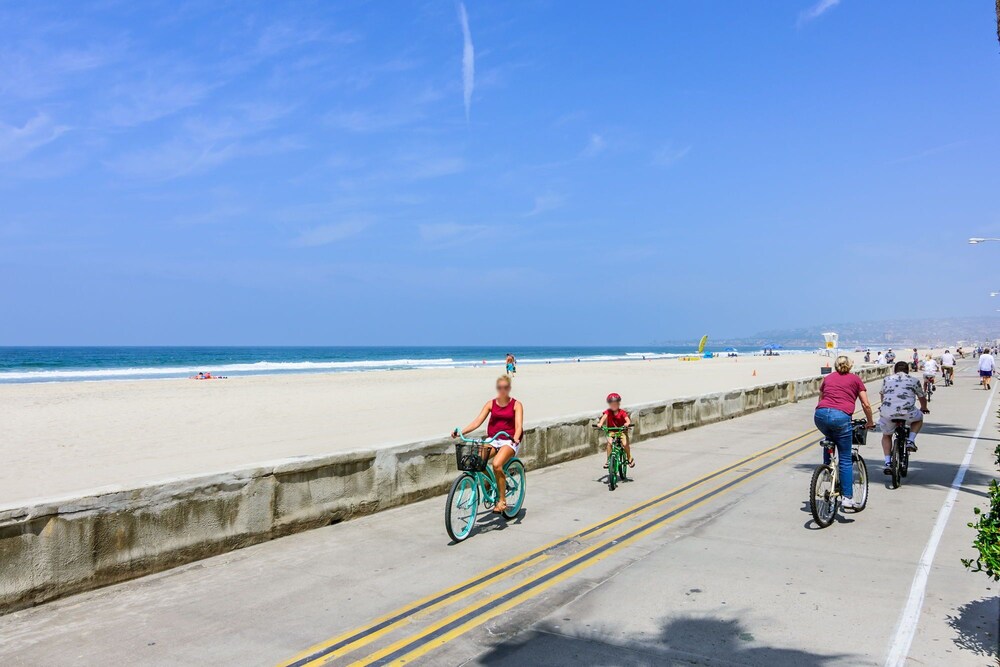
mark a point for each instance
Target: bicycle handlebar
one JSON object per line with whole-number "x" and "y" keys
{"x": 480, "y": 441}
{"x": 613, "y": 429}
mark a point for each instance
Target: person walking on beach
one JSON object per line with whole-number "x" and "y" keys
{"x": 890, "y": 356}
{"x": 916, "y": 361}
{"x": 986, "y": 367}
{"x": 868, "y": 356}
{"x": 838, "y": 396}
{"x": 506, "y": 415}
{"x": 511, "y": 364}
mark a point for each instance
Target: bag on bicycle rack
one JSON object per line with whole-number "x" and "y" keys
{"x": 469, "y": 457}
{"x": 859, "y": 436}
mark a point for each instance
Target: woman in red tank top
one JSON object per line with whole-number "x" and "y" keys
{"x": 506, "y": 418}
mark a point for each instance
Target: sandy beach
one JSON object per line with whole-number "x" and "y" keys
{"x": 62, "y": 438}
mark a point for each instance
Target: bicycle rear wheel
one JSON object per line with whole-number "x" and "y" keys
{"x": 860, "y": 483}
{"x": 822, "y": 499}
{"x": 460, "y": 510}
{"x": 516, "y": 480}
{"x": 894, "y": 465}
{"x": 904, "y": 462}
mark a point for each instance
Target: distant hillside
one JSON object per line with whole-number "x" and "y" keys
{"x": 886, "y": 333}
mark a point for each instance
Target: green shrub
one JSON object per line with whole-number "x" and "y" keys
{"x": 987, "y": 541}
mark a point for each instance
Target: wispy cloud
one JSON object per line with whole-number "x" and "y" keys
{"x": 595, "y": 146}
{"x": 451, "y": 233}
{"x": 149, "y": 100}
{"x": 817, "y": 10}
{"x": 332, "y": 233}
{"x": 18, "y": 141}
{"x": 927, "y": 152}
{"x": 468, "y": 60}
{"x": 544, "y": 203}
{"x": 433, "y": 167}
{"x": 205, "y": 143}
{"x": 670, "y": 155}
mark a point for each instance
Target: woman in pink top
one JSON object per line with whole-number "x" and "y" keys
{"x": 506, "y": 415}
{"x": 838, "y": 396}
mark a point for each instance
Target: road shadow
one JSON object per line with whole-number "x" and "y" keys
{"x": 681, "y": 641}
{"x": 920, "y": 473}
{"x": 487, "y": 522}
{"x": 977, "y": 627}
{"x": 952, "y": 431}
{"x": 811, "y": 524}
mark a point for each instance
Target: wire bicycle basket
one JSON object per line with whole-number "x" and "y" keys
{"x": 469, "y": 457}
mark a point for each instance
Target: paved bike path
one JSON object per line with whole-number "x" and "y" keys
{"x": 738, "y": 578}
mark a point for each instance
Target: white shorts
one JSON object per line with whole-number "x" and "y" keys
{"x": 930, "y": 376}
{"x": 501, "y": 442}
{"x": 886, "y": 426}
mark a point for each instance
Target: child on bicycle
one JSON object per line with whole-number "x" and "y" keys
{"x": 615, "y": 417}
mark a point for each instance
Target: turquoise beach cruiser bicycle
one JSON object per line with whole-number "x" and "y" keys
{"x": 476, "y": 484}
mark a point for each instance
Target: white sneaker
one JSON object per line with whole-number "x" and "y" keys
{"x": 847, "y": 504}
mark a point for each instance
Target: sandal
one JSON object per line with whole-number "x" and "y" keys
{"x": 631, "y": 463}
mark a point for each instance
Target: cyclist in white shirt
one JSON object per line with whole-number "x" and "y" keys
{"x": 948, "y": 367}
{"x": 930, "y": 368}
{"x": 900, "y": 393}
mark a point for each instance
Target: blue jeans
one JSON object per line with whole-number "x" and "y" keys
{"x": 836, "y": 425}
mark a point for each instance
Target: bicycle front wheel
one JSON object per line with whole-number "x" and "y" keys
{"x": 460, "y": 510}
{"x": 822, "y": 499}
{"x": 516, "y": 486}
{"x": 612, "y": 472}
{"x": 860, "y": 483}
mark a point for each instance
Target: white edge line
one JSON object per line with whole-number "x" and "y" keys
{"x": 906, "y": 627}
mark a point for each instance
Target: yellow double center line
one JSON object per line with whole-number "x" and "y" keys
{"x": 443, "y": 631}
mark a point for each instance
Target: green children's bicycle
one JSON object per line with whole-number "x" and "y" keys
{"x": 477, "y": 483}
{"x": 618, "y": 459}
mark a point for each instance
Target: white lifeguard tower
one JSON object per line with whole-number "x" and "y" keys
{"x": 831, "y": 339}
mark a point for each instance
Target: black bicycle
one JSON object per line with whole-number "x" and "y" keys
{"x": 899, "y": 457}
{"x": 929, "y": 387}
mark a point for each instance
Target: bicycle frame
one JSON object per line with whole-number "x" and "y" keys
{"x": 617, "y": 459}
{"x": 825, "y": 492}
{"x": 486, "y": 480}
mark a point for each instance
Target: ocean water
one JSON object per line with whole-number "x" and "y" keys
{"x": 54, "y": 364}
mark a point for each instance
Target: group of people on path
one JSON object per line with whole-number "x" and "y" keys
{"x": 839, "y": 394}
{"x": 902, "y": 396}
{"x": 506, "y": 428}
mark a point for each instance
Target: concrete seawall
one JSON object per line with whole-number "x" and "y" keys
{"x": 62, "y": 546}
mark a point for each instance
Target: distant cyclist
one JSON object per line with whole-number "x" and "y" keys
{"x": 948, "y": 367}
{"x": 930, "y": 369}
{"x": 900, "y": 393}
{"x": 986, "y": 367}
{"x": 838, "y": 396}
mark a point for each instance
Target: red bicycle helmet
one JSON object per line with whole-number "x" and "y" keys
{"x": 614, "y": 398}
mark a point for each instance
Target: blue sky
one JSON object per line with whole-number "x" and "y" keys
{"x": 549, "y": 172}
